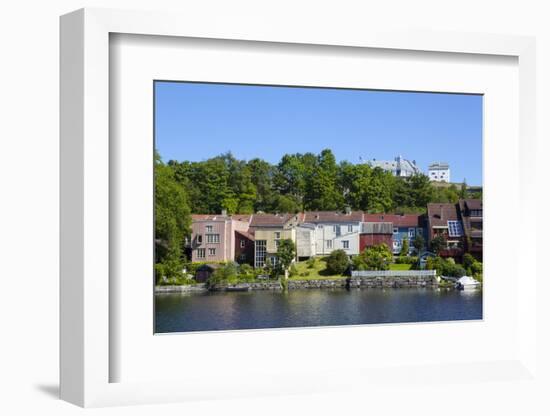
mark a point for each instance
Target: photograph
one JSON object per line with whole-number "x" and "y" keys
{"x": 298, "y": 207}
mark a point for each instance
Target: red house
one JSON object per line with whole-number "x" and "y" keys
{"x": 244, "y": 247}
{"x": 375, "y": 233}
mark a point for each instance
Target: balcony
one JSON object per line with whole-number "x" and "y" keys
{"x": 451, "y": 252}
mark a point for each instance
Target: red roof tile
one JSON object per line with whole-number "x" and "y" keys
{"x": 405, "y": 220}
{"x": 439, "y": 214}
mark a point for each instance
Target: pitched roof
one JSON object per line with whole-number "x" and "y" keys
{"x": 474, "y": 203}
{"x": 270, "y": 220}
{"x": 440, "y": 213}
{"x": 219, "y": 217}
{"x": 208, "y": 217}
{"x": 332, "y": 216}
{"x": 398, "y": 220}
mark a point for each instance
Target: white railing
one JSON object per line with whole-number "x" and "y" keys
{"x": 393, "y": 273}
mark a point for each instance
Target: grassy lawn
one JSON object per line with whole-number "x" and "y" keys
{"x": 316, "y": 273}
{"x": 400, "y": 267}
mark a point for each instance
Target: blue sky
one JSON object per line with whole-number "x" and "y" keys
{"x": 196, "y": 121}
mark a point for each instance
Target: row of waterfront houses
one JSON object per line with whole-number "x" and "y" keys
{"x": 254, "y": 239}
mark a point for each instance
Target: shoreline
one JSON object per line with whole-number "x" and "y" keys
{"x": 397, "y": 282}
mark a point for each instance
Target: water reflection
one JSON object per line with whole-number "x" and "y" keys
{"x": 298, "y": 308}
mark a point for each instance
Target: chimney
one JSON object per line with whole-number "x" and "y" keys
{"x": 347, "y": 210}
{"x": 224, "y": 212}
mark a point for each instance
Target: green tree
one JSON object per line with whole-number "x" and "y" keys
{"x": 377, "y": 257}
{"x": 261, "y": 174}
{"x": 322, "y": 192}
{"x": 437, "y": 244}
{"x": 418, "y": 243}
{"x": 337, "y": 262}
{"x": 172, "y": 221}
{"x": 378, "y": 192}
{"x": 286, "y": 253}
{"x": 286, "y": 203}
{"x": 404, "y": 247}
{"x": 421, "y": 190}
{"x": 463, "y": 194}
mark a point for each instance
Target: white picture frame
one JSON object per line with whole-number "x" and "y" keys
{"x": 86, "y": 216}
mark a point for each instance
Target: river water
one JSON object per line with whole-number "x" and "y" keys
{"x": 183, "y": 312}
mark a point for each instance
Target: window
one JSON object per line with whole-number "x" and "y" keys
{"x": 476, "y": 213}
{"x": 345, "y": 244}
{"x": 350, "y": 228}
{"x": 211, "y": 251}
{"x": 277, "y": 235}
{"x": 396, "y": 230}
{"x": 260, "y": 251}
{"x": 201, "y": 253}
{"x": 411, "y": 233}
{"x": 212, "y": 238}
{"x": 455, "y": 229}
{"x": 329, "y": 243}
{"x": 199, "y": 239}
{"x": 243, "y": 243}
{"x": 209, "y": 228}
{"x": 334, "y": 228}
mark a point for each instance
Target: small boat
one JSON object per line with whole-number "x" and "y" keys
{"x": 467, "y": 283}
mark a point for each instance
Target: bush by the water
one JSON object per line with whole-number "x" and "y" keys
{"x": 337, "y": 262}
{"x": 373, "y": 258}
{"x": 406, "y": 260}
{"x": 473, "y": 267}
{"x": 445, "y": 267}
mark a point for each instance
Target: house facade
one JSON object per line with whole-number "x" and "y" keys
{"x": 460, "y": 225}
{"x": 398, "y": 167}
{"x": 306, "y": 243}
{"x": 445, "y": 220}
{"x": 375, "y": 233}
{"x": 254, "y": 239}
{"x": 213, "y": 236}
{"x": 404, "y": 227}
{"x": 268, "y": 231}
{"x": 471, "y": 212}
{"x": 244, "y": 247}
{"x": 439, "y": 172}
{"x": 335, "y": 230}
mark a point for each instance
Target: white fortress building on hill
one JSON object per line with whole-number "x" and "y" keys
{"x": 398, "y": 167}
{"x": 439, "y": 172}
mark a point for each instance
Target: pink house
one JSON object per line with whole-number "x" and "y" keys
{"x": 213, "y": 236}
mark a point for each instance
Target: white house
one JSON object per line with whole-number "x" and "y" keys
{"x": 398, "y": 167}
{"x": 335, "y": 230}
{"x": 439, "y": 172}
{"x": 305, "y": 240}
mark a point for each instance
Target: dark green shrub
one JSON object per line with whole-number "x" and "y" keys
{"x": 337, "y": 262}
{"x": 406, "y": 260}
{"x": 373, "y": 258}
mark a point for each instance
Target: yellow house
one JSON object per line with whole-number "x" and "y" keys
{"x": 268, "y": 230}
